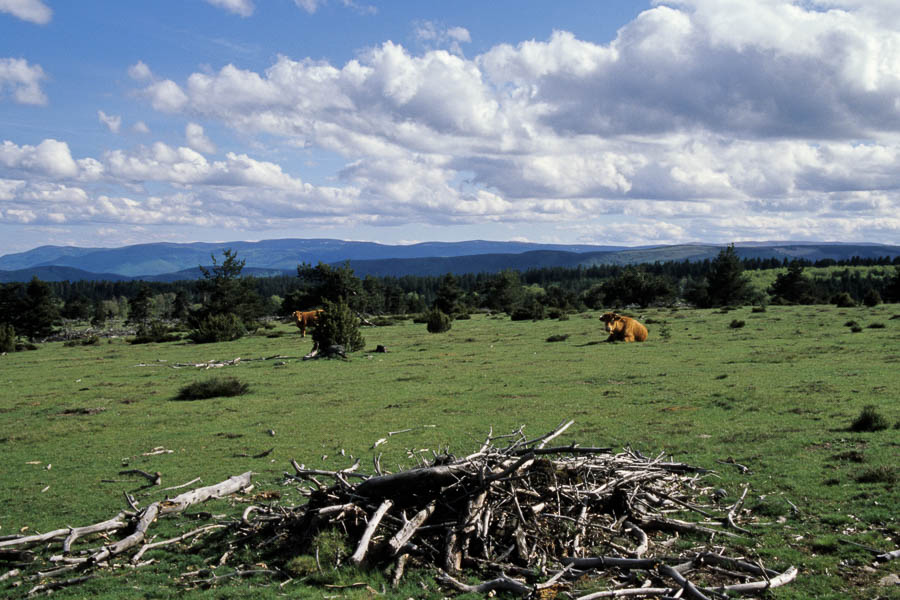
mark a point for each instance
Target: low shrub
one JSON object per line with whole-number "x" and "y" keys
{"x": 218, "y": 328}
{"x": 736, "y": 324}
{"x": 869, "y": 420}
{"x": 880, "y": 474}
{"x": 876, "y": 326}
{"x": 7, "y": 338}
{"x": 437, "y": 321}
{"x": 843, "y": 300}
{"x": 529, "y": 311}
{"x": 871, "y": 298}
{"x": 338, "y": 325}
{"x": 856, "y": 329}
{"x": 851, "y": 323}
{"x": 216, "y": 387}
{"x": 155, "y": 331}
{"x": 558, "y": 338}
{"x": 463, "y": 317}
{"x": 758, "y": 309}
{"x": 91, "y": 340}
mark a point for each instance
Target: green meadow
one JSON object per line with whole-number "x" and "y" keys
{"x": 776, "y": 394}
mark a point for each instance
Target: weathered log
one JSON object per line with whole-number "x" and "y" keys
{"x": 113, "y": 524}
{"x": 363, "y": 545}
{"x": 405, "y": 484}
{"x": 399, "y": 540}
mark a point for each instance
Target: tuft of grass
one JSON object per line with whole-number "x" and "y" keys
{"x": 876, "y": 326}
{"x": 824, "y": 544}
{"x": 736, "y": 324}
{"x": 558, "y": 338}
{"x": 869, "y": 420}
{"x": 216, "y": 387}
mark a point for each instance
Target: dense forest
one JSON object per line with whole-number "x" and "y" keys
{"x": 34, "y": 308}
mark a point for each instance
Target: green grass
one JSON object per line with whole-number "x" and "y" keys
{"x": 778, "y": 395}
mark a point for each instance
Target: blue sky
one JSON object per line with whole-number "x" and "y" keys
{"x": 602, "y": 121}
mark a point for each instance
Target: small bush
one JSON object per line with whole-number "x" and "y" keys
{"x": 851, "y": 324}
{"x": 871, "y": 298}
{"x": 7, "y": 338}
{"x": 856, "y": 329}
{"x": 438, "y": 322}
{"x": 463, "y": 317}
{"x": 882, "y": 474}
{"x": 736, "y": 324}
{"x": 218, "y": 328}
{"x": 558, "y": 338}
{"x": 91, "y": 340}
{"x": 876, "y": 326}
{"x": 217, "y": 387}
{"x": 529, "y": 311}
{"x": 338, "y": 326}
{"x": 843, "y": 300}
{"x": 758, "y": 309}
{"x": 156, "y": 331}
{"x": 869, "y": 420}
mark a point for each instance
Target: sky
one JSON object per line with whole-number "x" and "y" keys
{"x": 609, "y": 122}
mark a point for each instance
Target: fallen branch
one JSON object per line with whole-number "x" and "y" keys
{"x": 889, "y": 555}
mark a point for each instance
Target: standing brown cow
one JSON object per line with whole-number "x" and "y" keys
{"x": 305, "y": 319}
{"x": 625, "y": 329}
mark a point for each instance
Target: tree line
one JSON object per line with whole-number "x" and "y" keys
{"x": 32, "y": 310}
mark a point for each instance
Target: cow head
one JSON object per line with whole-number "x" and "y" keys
{"x": 613, "y": 321}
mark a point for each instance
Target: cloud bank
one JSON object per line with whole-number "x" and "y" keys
{"x": 702, "y": 120}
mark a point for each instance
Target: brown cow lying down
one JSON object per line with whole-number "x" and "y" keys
{"x": 305, "y": 319}
{"x": 625, "y": 329}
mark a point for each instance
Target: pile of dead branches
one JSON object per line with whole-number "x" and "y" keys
{"x": 545, "y": 514}
{"x": 519, "y": 514}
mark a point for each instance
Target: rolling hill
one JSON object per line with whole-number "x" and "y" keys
{"x": 172, "y": 262}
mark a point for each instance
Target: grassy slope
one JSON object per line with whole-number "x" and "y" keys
{"x": 776, "y": 395}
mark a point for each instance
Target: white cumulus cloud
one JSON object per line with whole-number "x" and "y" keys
{"x": 112, "y": 122}
{"x": 243, "y": 8}
{"x": 197, "y": 140}
{"x": 23, "y": 79}
{"x": 34, "y": 11}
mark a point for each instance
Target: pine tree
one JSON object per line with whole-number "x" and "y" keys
{"x": 793, "y": 286}
{"x": 726, "y": 283}
{"x": 40, "y": 312}
{"x": 139, "y": 306}
{"x": 225, "y": 292}
{"x": 449, "y": 295}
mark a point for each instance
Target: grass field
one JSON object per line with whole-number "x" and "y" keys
{"x": 777, "y": 394}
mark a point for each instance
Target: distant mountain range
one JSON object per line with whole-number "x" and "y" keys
{"x": 172, "y": 262}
